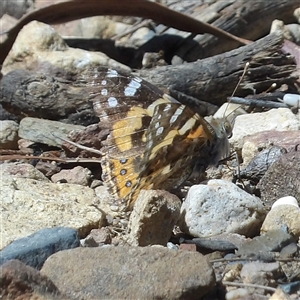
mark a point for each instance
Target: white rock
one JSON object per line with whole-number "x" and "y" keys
{"x": 283, "y": 215}
{"x": 280, "y": 119}
{"x": 288, "y": 200}
{"x": 8, "y": 134}
{"x": 38, "y": 43}
{"x": 220, "y": 207}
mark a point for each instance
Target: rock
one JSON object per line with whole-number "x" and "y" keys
{"x": 34, "y": 249}
{"x": 291, "y": 287}
{"x": 188, "y": 247}
{"x": 90, "y": 137}
{"x": 99, "y": 236}
{"x": 237, "y": 294}
{"x": 289, "y": 251}
{"x": 7, "y": 22}
{"x": 262, "y": 246}
{"x": 77, "y": 175}
{"x": 28, "y": 205}
{"x": 22, "y": 170}
{"x": 213, "y": 243}
{"x": 112, "y": 208}
{"x": 45, "y": 131}
{"x": 19, "y": 281}
{"x": 128, "y": 273}
{"x": 291, "y": 268}
{"x": 281, "y": 179}
{"x": 258, "y": 166}
{"x": 153, "y": 218}
{"x": 283, "y": 215}
{"x": 9, "y": 135}
{"x": 39, "y": 46}
{"x": 260, "y": 273}
{"x": 220, "y": 207}
{"x": 255, "y": 143}
{"x": 281, "y": 119}
{"x": 288, "y": 200}
{"x": 16, "y": 9}
{"x": 279, "y": 295}
{"x": 47, "y": 168}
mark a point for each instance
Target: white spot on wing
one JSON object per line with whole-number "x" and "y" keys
{"x": 157, "y": 125}
{"x": 104, "y": 92}
{"x": 187, "y": 126}
{"x": 138, "y": 79}
{"x": 112, "y": 101}
{"x": 103, "y": 82}
{"x": 177, "y": 113}
{"x": 168, "y": 106}
{"x": 159, "y": 131}
{"x": 112, "y": 73}
{"x": 131, "y": 88}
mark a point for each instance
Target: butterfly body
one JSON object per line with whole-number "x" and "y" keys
{"x": 155, "y": 141}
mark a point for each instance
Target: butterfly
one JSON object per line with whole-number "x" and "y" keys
{"x": 154, "y": 141}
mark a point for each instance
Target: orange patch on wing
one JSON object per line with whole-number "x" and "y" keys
{"x": 197, "y": 133}
{"x": 125, "y": 177}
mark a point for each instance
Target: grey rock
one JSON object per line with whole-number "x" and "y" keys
{"x": 272, "y": 241}
{"x": 36, "y": 248}
{"x": 9, "y": 135}
{"x": 258, "y": 166}
{"x": 46, "y": 132}
{"x": 130, "y": 273}
{"x": 212, "y": 244}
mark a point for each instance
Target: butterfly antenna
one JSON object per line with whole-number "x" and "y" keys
{"x": 234, "y": 91}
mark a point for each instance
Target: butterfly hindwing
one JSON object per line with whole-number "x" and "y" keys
{"x": 174, "y": 139}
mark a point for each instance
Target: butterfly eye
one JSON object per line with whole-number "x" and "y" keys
{"x": 227, "y": 127}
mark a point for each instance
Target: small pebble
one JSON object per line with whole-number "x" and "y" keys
{"x": 288, "y": 200}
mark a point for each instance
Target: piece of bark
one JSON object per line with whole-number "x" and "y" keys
{"x": 211, "y": 80}
{"x": 30, "y": 93}
{"x": 251, "y": 20}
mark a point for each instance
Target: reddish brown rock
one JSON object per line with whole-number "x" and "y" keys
{"x": 255, "y": 143}
{"x": 282, "y": 179}
{"x": 130, "y": 273}
{"x": 19, "y": 281}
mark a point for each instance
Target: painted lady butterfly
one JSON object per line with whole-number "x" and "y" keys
{"x": 154, "y": 141}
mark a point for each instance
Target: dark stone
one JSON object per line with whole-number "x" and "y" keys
{"x": 34, "y": 249}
